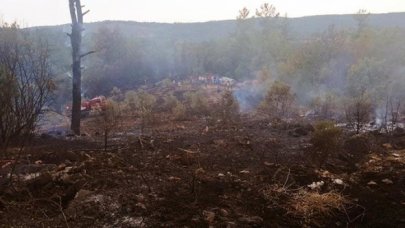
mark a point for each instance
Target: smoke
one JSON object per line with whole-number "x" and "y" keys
{"x": 249, "y": 95}
{"x": 251, "y": 92}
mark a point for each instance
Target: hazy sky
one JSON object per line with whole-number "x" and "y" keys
{"x": 50, "y": 12}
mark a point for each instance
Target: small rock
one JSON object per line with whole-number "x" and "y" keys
{"x": 199, "y": 171}
{"x": 82, "y": 194}
{"x": 209, "y": 216}
{"x": 338, "y": 181}
{"x": 221, "y": 175}
{"x": 268, "y": 164}
{"x": 372, "y": 183}
{"x": 396, "y": 155}
{"x": 140, "y": 198}
{"x": 133, "y": 222}
{"x": 141, "y": 205}
{"x": 224, "y": 212}
{"x": 325, "y": 173}
{"x": 316, "y": 185}
{"x": 219, "y": 142}
{"x": 244, "y": 172}
{"x": 230, "y": 225}
{"x": 68, "y": 169}
{"x": 254, "y": 220}
{"x": 387, "y": 181}
{"x": 195, "y": 218}
{"x": 174, "y": 178}
{"x": 67, "y": 179}
{"x": 61, "y": 167}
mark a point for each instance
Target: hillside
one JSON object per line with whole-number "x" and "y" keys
{"x": 301, "y": 27}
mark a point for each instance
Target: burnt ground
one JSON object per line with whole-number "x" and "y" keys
{"x": 184, "y": 174}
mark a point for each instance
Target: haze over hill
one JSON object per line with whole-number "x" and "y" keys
{"x": 203, "y": 31}
{"x": 132, "y": 53}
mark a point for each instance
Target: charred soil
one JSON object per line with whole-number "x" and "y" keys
{"x": 185, "y": 174}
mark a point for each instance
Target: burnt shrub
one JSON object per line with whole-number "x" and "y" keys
{"x": 197, "y": 103}
{"x": 325, "y": 140}
{"x": 357, "y": 146}
{"x": 225, "y": 112}
{"x": 278, "y": 102}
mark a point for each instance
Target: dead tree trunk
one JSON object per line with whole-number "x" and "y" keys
{"x": 76, "y": 15}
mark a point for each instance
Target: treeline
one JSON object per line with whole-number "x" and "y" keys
{"x": 364, "y": 60}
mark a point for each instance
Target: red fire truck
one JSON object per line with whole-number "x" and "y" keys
{"x": 88, "y": 105}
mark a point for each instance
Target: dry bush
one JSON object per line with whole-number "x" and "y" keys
{"x": 142, "y": 103}
{"x": 324, "y": 106}
{"x": 130, "y": 101}
{"x": 176, "y": 108}
{"x": 358, "y": 111}
{"x": 274, "y": 194}
{"x": 169, "y": 102}
{"x": 316, "y": 208}
{"x": 108, "y": 120}
{"x": 25, "y": 83}
{"x": 358, "y": 146}
{"x": 392, "y": 115}
{"x": 179, "y": 111}
{"x": 117, "y": 95}
{"x": 228, "y": 108}
{"x": 166, "y": 83}
{"x": 197, "y": 103}
{"x": 278, "y": 101}
{"x": 326, "y": 140}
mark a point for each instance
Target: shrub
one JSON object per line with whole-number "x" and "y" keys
{"x": 228, "y": 108}
{"x": 145, "y": 103}
{"x": 169, "y": 102}
{"x": 325, "y": 140}
{"x": 108, "y": 119}
{"x": 26, "y": 84}
{"x": 324, "y": 106}
{"x": 278, "y": 101}
{"x": 358, "y": 111}
{"x": 166, "y": 83}
{"x": 116, "y": 94}
{"x": 141, "y": 103}
{"x": 130, "y": 101}
{"x": 179, "y": 111}
{"x": 197, "y": 103}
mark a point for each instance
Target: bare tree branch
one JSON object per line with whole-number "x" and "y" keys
{"x": 87, "y": 53}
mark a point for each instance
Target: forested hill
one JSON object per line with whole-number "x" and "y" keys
{"x": 301, "y": 27}
{"x": 317, "y": 53}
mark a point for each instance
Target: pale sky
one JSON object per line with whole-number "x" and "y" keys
{"x": 51, "y": 12}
